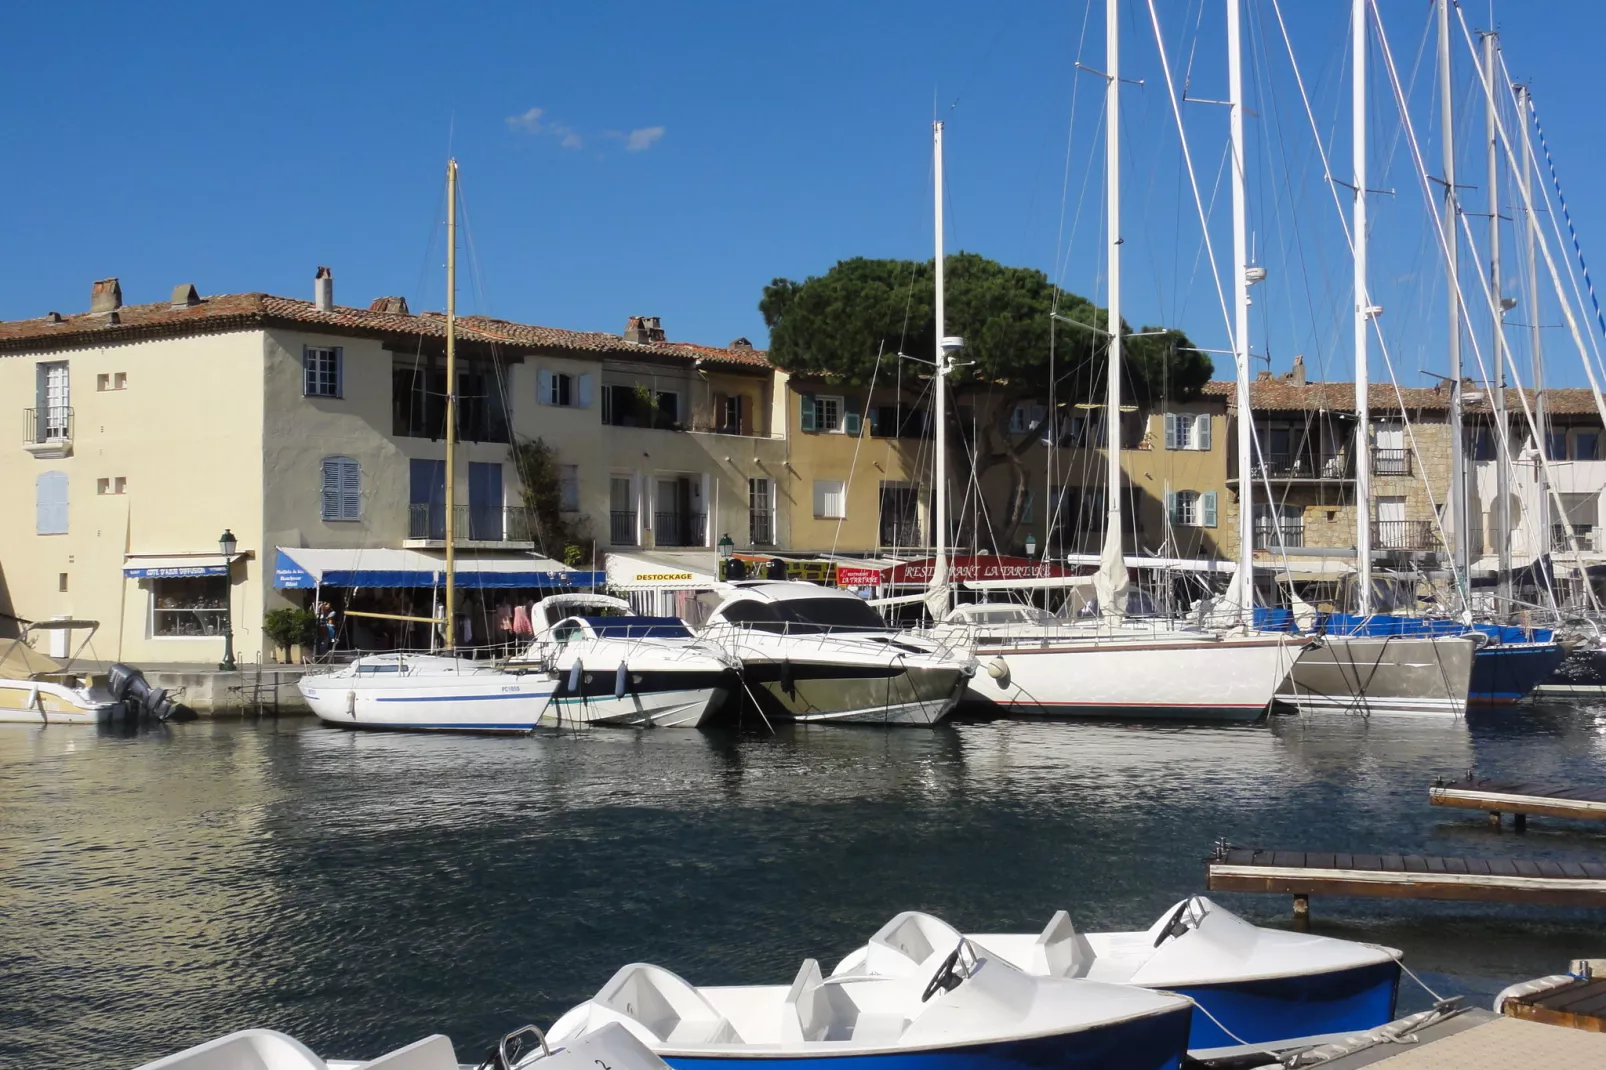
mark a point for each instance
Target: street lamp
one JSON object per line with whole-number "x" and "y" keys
{"x": 726, "y": 547}
{"x": 226, "y": 544}
{"x": 1031, "y": 545}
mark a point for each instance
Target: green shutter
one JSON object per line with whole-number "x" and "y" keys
{"x": 1207, "y": 509}
{"x": 808, "y": 412}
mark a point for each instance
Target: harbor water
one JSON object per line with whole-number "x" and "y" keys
{"x": 362, "y": 890}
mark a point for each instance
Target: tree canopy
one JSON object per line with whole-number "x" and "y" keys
{"x": 833, "y": 325}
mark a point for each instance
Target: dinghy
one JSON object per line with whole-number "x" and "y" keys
{"x": 1252, "y": 985}
{"x": 971, "y": 1011}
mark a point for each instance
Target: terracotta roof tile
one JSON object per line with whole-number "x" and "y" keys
{"x": 242, "y": 311}
{"x": 1283, "y": 395}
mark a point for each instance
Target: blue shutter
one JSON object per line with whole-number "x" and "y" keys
{"x": 1207, "y": 509}
{"x": 329, "y": 507}
{"x": 851, "y": 420}
{"x": 350, "y": 490}
{"x": 1170, "y": 430}
{"x": 585, "y": 392}
{"x": 808, "y": 412}
{"x": 50, "y": 515}
{"x": 1171, "y": 506}
{"x": 543, "y": 388}
{"x": 1201, "y": 437}
{"x": 875, "y": 421}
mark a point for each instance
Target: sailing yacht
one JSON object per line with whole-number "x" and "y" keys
{"x": 1114, "y": 666}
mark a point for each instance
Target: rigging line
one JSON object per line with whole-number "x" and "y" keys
{"x": 1187, "y": 157}
{"x": 858, "y": 443}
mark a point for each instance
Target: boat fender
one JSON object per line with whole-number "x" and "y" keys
{"x": 351, "y": 705}
{"x": 621, "y": 681}
{"x": 998, "y": 669}
{"x": 788, "y": 683}
{"x": 574, "y": 677}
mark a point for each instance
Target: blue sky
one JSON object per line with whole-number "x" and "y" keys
{"x": 623, "y": 158}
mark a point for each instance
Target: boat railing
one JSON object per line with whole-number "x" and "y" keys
{"x": 820, "y": 636}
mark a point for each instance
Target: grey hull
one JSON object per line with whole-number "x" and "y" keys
{"x": 1382, "y": 674}
{"x": 914, "y": 696}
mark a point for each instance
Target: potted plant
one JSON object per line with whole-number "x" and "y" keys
{"x": 289, "y": 629}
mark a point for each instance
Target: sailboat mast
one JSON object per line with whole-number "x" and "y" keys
{"x": 1113, "y": 557}
{"x": 1502, "y": 505}
{"x": 1240, "y": 266}
{"x": 1536, "y": 353}
{"x": 451, "y": 404}
{"x": 939, "y": 571}
{"x": 1457, "y": 498}
{"x": 1363, "y": 313}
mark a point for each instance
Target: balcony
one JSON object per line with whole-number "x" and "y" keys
{"x": 622, "y": 527}
{"x": 680, "y": 529}
{"x": 1274, "y": 537}
{"x": 1308, "y": 467}
{"x": 1585, "y": 534}
{"x": 48, "y": 432}
{"x": 1391, "y": 462}
{"x": 1404, "y": 535}
{"x": 484, "y": 526}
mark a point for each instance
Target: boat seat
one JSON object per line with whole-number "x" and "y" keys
{"x": 907, "y": 942}
{"x": 1061, "y": 951}
{"x": 669, "y": 1007}
{"x": 249, "y": 1049}
{"x": 806, "y": 1011}
{"x": 431, "y": 1053}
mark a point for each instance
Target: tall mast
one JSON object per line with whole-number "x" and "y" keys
{"x": 939, "y": 571}
{"x": 1240, "y": 267}
{"x": 1112, "y": 585}
{"x": 451, "y": 404}
{"x": 1502, "y": 511}
{"x": 1457, "y": 503}
{"x": 1363, "y": 313}
{"x": 1536, "y": 353}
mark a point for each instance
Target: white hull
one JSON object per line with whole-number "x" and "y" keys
{"x": 687, "y": 708}
{"x": 39, "y": 702}
{"x": 1382, "y": 675}
{"x": 425, "y": 694}
{"x": 1190, "y": 676}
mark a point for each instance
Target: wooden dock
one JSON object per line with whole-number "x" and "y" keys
{"x": 1520, "y": 800}
{"x": 1303, "y": 874}
{"x": 1579, "y": 1005}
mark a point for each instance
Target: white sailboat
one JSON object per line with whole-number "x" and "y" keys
{"x": 584, "y": 670}
{"x": 1115, "y": 666}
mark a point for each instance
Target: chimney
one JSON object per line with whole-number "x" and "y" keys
{"x": 323, "y": 290}
{"x": 741, "y": 343}
{"x": 1298, "y": 374}
{"x": 105, "y": 296}
{"x": 643, "y": 330}
{"x": 396, "y": 305}
{"x": 1263, "y": 377}
{"x": 184, "y": 295}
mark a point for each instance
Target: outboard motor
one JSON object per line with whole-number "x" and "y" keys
{"x": 128, "y": 685}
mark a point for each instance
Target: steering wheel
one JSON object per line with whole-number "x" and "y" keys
{"x": 1174, "y": 925}
{"x": 946, "y": 979}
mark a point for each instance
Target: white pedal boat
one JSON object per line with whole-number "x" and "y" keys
{"x": 1260, "y": 984}
{"x": 974, "y": 1011}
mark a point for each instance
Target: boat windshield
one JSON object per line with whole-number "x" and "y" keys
{"x": 806, "y": 616}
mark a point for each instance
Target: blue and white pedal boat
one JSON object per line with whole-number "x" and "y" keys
{"x": 1252, "y": 985}
{"x": 972, "y": 1011}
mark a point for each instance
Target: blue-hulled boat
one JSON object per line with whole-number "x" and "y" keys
{"x": 975, "y": 1011}
{"x": 1253, "y": 985}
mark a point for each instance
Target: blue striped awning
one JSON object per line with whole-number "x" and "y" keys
{"x": 301, "y": 567}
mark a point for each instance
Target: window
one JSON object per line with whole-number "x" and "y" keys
{"x": 730, "y": 414}
{"x": 103, "y": 382}
{"x": 320, "y": 367}
{"x": 569, "y": 488}
{"x": 54, "y": 401}
{"x": 50, "y": 490}
{"x": 561, "y": 388}
{"x": 1191, "y": 509}
{"x": 621, "y": 510}
{"x": 191, "y": 607}
{"x": 112, "y": 485}
{"x": 1555, "y": 447}
{"x": 418, "y": 401}
{"x": 822, "y": 413}
{"x": 1586, "y": 445}
{"x": 760, "y": 512}
{"x": 61, "y": 582}
{"x": 485, "y": 512}
{"x": 1187, "y": 431}
{"x": 668, "y": 408}
{"x": 120, "y": 381}
{"x": 829, "y": 499}
{"x": 341, "y": 489}
{"x": 426, "y": 498}
{"x": 1278, "y": 526}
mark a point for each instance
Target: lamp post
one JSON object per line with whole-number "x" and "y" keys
{"x": 1031, "y": 546}
{"x": 226, "y": 544}
{"x": 726, "y": 547}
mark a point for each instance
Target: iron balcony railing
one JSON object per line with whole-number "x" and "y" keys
{"x": 50, "y": 424}
{"x": 1390, "y": 462}
{"x": 1301, "y": 466}
{"x": 1403, "y": 535}
{"x": 472, "y": 523}
{"x": 622, "y": 527}
{"x": 679, "y": 529}
{"x": 1584, "y": 533}
{"x": 1270, "y": 536}
{"x": 760, "y": 529}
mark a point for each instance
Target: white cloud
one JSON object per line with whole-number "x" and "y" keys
{"x": 641, "y": 140}
{"x": 529, "y": 122}
{"x": 568, "y": 138}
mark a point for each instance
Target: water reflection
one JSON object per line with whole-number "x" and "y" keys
{"x": 361, "y": 890}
